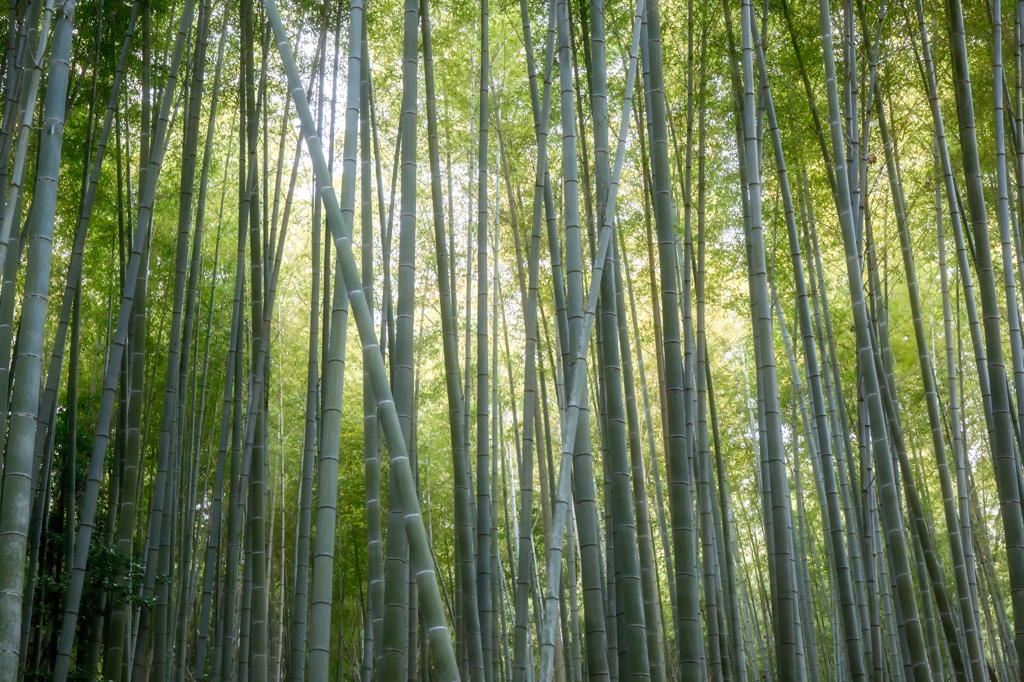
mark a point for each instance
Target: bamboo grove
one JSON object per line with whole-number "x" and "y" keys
{"x": 724, "y": 299}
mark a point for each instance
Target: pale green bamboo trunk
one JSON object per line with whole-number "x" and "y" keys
{"x": 441, "y": 646}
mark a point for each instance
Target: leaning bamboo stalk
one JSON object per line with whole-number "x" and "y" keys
{"x": 440, "y": 641}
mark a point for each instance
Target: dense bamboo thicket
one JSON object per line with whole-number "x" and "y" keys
{"x": 724, "y": 298}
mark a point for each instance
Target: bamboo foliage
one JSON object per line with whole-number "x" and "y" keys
{"x": 180, "y": 501}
